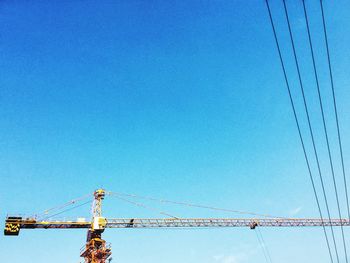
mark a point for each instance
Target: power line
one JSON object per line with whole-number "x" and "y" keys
{"x": 309, "y": 123}
{"x": 324, "y": 124}
{"x": 298, "y": 128}
{"x": 335, "y": 106}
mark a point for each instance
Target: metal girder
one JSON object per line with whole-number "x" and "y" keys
{"x": 221, "y": 222}
{"x": 14, "y": 224}
{"x": 96, "y": 250}
{"x": 54, "y": 224}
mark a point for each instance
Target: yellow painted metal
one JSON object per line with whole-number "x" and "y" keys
{"x": 96, "y": 250}
{"x": 99, "y": 223}
{"x": 99, "y": 195}
{"x": 11, "y": 229}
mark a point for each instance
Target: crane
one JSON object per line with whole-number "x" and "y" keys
{"x": 96, "y": 250}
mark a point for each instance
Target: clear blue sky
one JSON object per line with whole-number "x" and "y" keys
{"x": 182, "y": 100}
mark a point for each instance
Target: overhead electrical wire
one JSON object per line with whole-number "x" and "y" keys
{"x": 310, "y": 126}
{"x": 299, "y": 129}
{"x": 335, "y": 105}
{"x": 324, "y": 124}
{"x": 192, "y": 205}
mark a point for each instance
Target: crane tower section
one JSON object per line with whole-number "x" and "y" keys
{"x": 96, "y": 250}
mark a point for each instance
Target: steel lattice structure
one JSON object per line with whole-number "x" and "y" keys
{"x": 97, "y": 250}
{"x": 179, "y": 223}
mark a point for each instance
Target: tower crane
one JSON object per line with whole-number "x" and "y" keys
{"x": 96, "y": 250}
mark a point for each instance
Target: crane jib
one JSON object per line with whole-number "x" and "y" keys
{"x": 97, "y": 248}
{"x": 14, "y": 224}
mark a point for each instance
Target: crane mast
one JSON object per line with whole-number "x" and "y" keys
{"x": 97, "y": 250}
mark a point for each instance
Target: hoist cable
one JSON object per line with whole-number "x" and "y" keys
{"x": 264, "y": 245}
{"x": 261, "y": 246}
